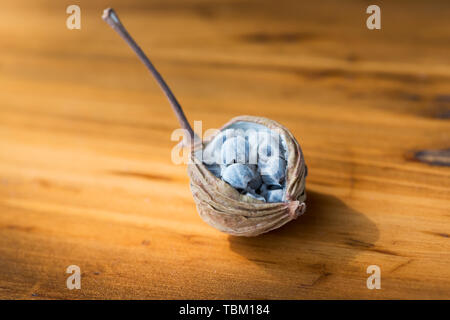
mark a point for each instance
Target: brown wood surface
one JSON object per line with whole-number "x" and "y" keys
{"x": 86, "y": 176}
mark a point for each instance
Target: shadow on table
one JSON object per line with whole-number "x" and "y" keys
{"x": 329, "y": 234}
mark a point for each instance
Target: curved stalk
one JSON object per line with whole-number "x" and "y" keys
{"x": 110, "y": 16}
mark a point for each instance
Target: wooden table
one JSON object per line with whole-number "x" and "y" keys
{"x": 86, "y": 176}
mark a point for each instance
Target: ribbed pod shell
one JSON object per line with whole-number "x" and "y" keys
{"x": 225, "y": 209}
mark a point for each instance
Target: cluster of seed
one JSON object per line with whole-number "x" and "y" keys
{"x": 254, "y": 163}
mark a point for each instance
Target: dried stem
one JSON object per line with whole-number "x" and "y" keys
{"x": 110, "y": 16}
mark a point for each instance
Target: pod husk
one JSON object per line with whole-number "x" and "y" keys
{"x": 224, "y": 208}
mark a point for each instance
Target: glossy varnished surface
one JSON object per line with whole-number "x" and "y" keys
{"x": 86, "y": 176}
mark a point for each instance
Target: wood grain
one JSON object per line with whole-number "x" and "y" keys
{"x": 86, "y": 176}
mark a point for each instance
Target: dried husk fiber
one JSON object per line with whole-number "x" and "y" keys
{"x": 224, "y": 208}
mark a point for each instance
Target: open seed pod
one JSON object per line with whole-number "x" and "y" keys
{"x": 226, "y": 209}
{"x": 219, "y": 204}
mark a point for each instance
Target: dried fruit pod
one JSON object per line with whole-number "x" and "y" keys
{"x": 219, "y": 204}
{"x": 225, "y": 209}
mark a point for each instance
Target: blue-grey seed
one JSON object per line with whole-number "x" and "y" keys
{"x": 252, "y": 138}
{"x": 212, "y": 151}
{"x": 263, "y": 189}
{"x": 273, "y": 170}
{"x": 238, "y": 175}
{"x": 268, "y": 146}
{"x": 256, "y": 182}
{"x": 215, "y": 169}
{"x": 235, "y": 150}
{"x": 274, "y": 195}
